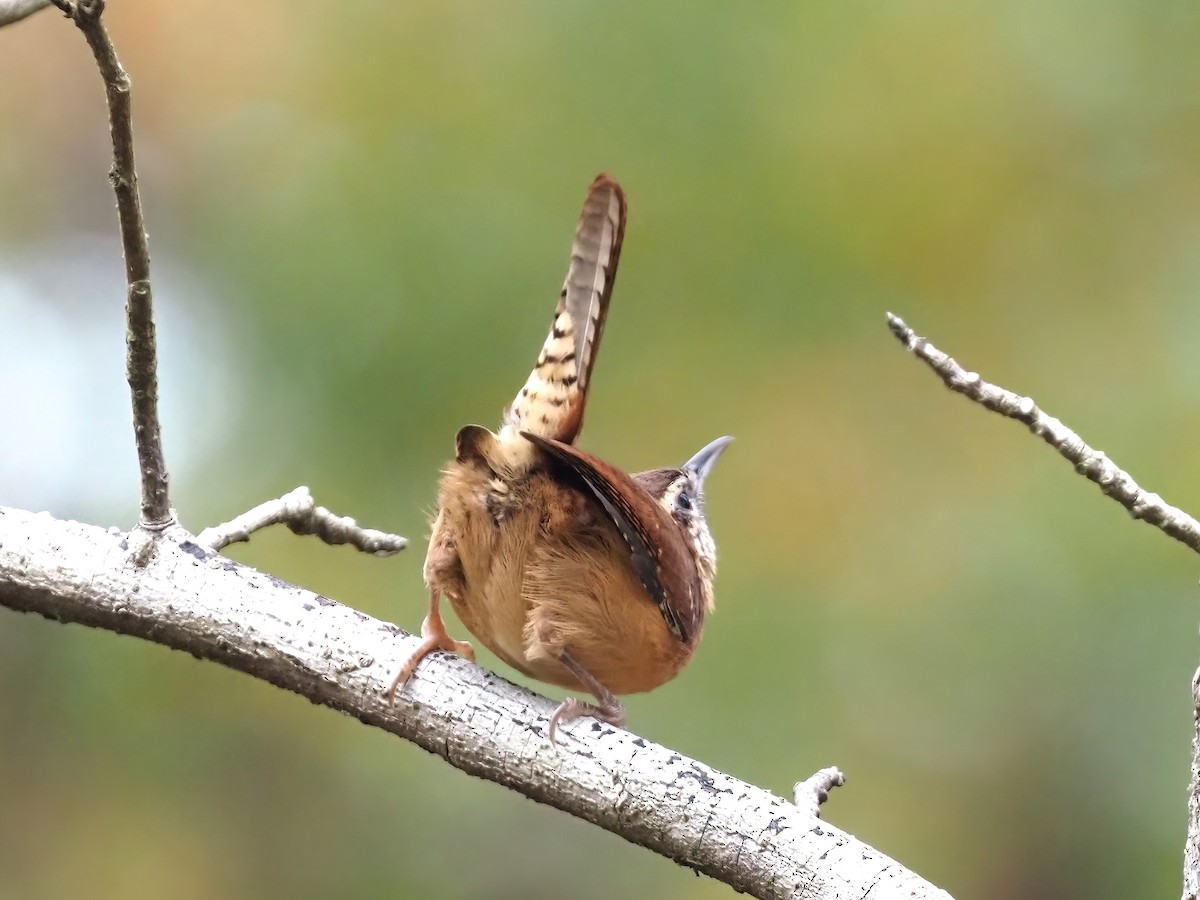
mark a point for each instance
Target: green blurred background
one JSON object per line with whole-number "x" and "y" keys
{"x": 360, "y": 215}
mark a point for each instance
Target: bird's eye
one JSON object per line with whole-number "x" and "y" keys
{"x": 684, "y": 502}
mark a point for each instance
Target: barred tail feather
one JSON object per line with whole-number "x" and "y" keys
{"x": 552, "y": 401}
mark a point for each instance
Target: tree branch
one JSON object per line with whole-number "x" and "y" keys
{"x": 141, "y": 349}
{"x": 1115, "y": 483}
{"x": 186, "y": 597}
{"x": 299, "y": 512}
{"x": 1092, "y": 464}
{"x": 191, "y": 599}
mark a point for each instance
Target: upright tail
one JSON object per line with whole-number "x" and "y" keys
{"x": 551, "y": 402}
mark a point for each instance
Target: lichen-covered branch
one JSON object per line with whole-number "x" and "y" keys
{"x": 1090, "y": 463}
{"x": 299, "y": 512}
{"x": 141, "y": 349}
{"x": 188, "y": 598}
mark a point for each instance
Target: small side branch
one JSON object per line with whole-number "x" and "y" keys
{"x": 1090, "y": 463}
{"x": 299, "y": 512}
{"x": 813, "y": 791}
{"x": 142, "y": 354}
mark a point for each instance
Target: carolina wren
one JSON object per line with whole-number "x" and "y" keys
{"x": 564, "y": 566}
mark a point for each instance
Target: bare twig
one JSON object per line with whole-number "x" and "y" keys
{"x": 814, "y": 790}
{"x": 1092, "y": 464}
{"x": 1114, "y": 482}
{"x": 299, "y": 512}
{"x": 196, "y": 601}
{"x": 141, "y": 358}
{"x": 16, "y": 10}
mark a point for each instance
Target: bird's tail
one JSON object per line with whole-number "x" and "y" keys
{"x": 552, "y": 401}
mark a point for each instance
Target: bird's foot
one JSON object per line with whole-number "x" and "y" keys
{"x": 612, "y": 712}
{"x": 609, "y": 709}
{"x": 436, "y": 638}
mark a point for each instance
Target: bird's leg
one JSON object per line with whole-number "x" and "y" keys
{"x": 609, "y": 709}
{"x": 434, "y": 633}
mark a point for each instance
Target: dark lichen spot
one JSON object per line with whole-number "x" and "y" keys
{"x": 703, "y": 779}
{"x": 191, "y": 548}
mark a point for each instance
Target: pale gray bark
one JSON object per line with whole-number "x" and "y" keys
{"x": 811, "y": 793}
{"x": 182, "y": 595}
{"x": 299, "y": 511}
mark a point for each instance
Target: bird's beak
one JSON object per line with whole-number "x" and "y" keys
{"x": 702, "y": 463}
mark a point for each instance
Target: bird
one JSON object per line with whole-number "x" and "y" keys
{"x": 569, "y": 569}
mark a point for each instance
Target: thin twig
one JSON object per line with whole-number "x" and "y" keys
{"x": 213, "y": 608}
{"x": 300, "y": 513}
{"x": 16, "y": 10}
{"x": 141, "y": 358}
{"x": 1114, "y": 482}
{"x": 813, "y": 791}
{"x": 1092, "y": 464}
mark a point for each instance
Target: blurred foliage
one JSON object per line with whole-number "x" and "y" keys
{"x": 360, "y": 215}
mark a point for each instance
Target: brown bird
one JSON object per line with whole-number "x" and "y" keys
{"x": 564, "y": 566}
